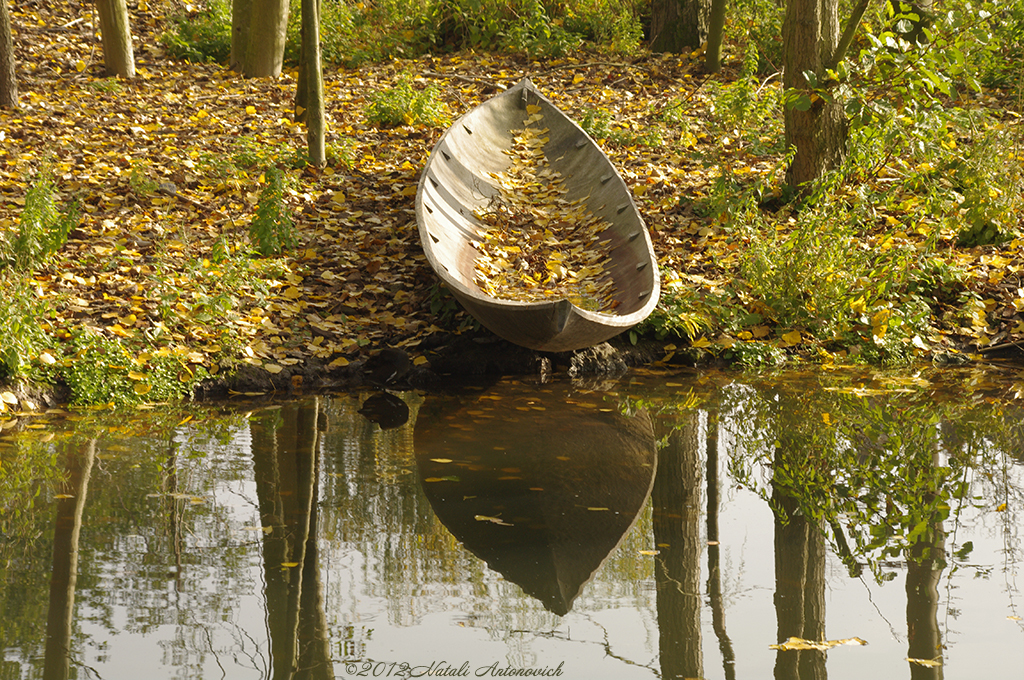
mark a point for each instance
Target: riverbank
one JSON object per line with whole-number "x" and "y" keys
{"x": 162, "y": 290}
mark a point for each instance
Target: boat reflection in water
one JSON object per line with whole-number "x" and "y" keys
{"x": 540, "y": 482}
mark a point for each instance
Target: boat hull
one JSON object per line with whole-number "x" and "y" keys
{"x": 458, "y": 183}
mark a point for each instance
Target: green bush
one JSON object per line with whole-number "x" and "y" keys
{"x": 271, "y": 229}
{"x": 403, "y": 104}
{"x": 203, "y": 36}
{"x": 22, "y": 318}
{"x": 43, "y": 226}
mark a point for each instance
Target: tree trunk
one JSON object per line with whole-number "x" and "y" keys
{"x": 8, "y": 81}
{"x": 311, "y": 84}
{"x": 716, "y": 31}
{"x": 117, "y": 38}
{"x": 267, "y": 31}
{"x": 810, "y": 36}
{"x": 240, "y": 11}
{"x": 679, "y": 25}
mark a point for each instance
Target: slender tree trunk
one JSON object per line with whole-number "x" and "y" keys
{"x": 264, "y": 45}
{"x": 679, "y": 25}
{"x": 716, "y": 31}
{"x": 311, "y": 83}
{"x": 810, "y": 34}
{"x": 8, "y": 81}
{"x": 118, "y": 54}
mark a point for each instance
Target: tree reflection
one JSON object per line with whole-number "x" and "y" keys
{"x": 285, "y": 468}
{"x": 676, "y": 520}
{"x": 68, "y": 524}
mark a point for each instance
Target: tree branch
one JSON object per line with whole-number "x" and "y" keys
{"x": 847, "y": 38}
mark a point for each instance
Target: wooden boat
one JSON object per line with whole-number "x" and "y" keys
{"x": 459, "y": 183}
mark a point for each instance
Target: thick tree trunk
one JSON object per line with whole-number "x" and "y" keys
{"x": 679, "y": 25}
{"x": 810, "y": 35}
{"x": 264, "y": 45}
{"x": 118, "y": 54}
{"x": 240, "y": 11}
{"x": 8, "y": 81}
{"x": 310, "y": 91}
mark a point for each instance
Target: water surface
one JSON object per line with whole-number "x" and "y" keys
{"x": 659, "y": 526}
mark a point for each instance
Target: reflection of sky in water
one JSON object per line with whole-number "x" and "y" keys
{"x": 432, "y": 614}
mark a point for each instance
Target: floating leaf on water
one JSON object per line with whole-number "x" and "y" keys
{"x": 929, "y": 663}
{"x": 289, "y": 565}
{"x": 441, "y": 460}
{"x": 650, "y": 553}
{"x": 798, "y": 644}
{"x": 492, "y": 520}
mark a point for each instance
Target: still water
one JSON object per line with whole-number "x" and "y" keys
{"x": 659, "y": 526}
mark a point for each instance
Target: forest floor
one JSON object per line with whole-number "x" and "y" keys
{"x": 168, "y": 171}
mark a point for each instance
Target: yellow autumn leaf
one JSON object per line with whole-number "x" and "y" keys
{"x": 792, "y": 338}
{"x": 289, "y": 565}
{"x": 858, "y": 306}
{"x": 80, "y": 66}
{"x": 142, "y": 388}
{"x": 339, "y": 362}
{"x": 928, "y": 663}
{"x": 135, "y": 375}
{"x": 47, "y": 358}
{"x": 532, "y": 109}
{"x": 419, "y": 361}
{"x": 578, "y": 78}
{"x": 272, "y": 368}
{"x": 701, "y": 342}
{"x": 9, "y": 398}
{"x": 409, "y": 190}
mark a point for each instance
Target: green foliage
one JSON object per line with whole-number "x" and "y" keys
{"x": 271, "y": 229}
{"x": 615, "y": 24}
{"x": 22, "y": 318}
{"x": 679, "y": 314}
{"x": 746, "y": 111}
{"x": 43, "y": 226}
{"x": 102, "y": 369}
{"x": 203, "y": 36}
{"x": 403, "y": 104}
{"x": 353, "y": 33}
{"x": 758, "y": 24}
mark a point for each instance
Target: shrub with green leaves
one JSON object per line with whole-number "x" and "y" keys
{"x": 271, "y": 229}
{"x": 203, "y": 36}
{"x": 404, "y": 104}
{"x": 43, "y": 226}
{"x": 22, "y": 316}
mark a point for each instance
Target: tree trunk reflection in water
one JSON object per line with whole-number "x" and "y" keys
{"x": 676, "y": 520}
{"x": 799, "y": 587}
{"x": 285, "y": 464}
{"x": 925, "y": 561}
{"x": 714, "y": 557}
{"x": 65, "y": 560}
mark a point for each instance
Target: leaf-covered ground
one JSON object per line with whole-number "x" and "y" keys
{"x": 168, "y": 171}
